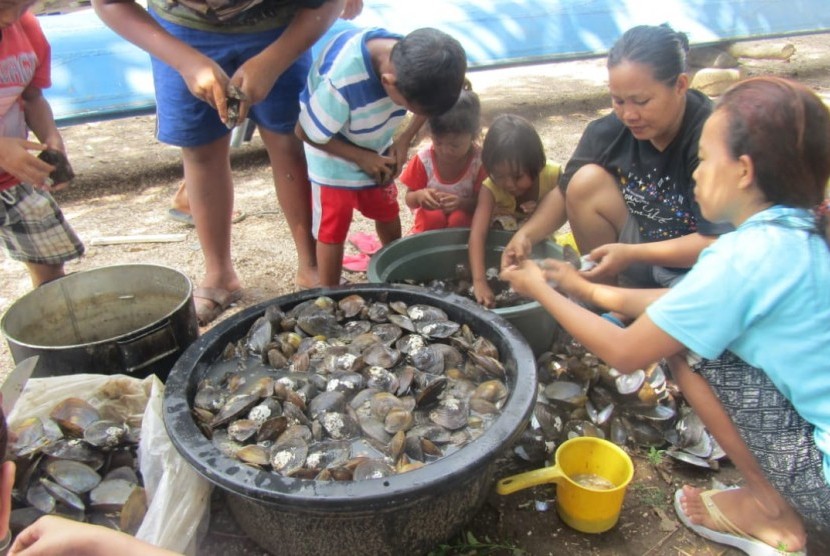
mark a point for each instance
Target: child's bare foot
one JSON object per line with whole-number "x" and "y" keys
{"x": 781, "y": 528}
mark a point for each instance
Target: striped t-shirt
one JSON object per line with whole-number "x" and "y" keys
{"x": 344, "y": 98}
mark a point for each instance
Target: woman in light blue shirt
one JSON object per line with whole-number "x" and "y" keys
{"x": 755, "y": 307}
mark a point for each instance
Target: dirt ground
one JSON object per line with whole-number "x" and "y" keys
{"x": 124, "y": 184}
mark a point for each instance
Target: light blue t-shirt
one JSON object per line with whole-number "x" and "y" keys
{"x": 345, "y": 98}
{"x": 763, "y": 293}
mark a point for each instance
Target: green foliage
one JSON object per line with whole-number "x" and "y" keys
{"x": 649, "y": 495}
{"x": 655, "y": 456}
{"x": 465, "y": 543}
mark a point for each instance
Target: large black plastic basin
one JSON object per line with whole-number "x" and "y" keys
{"x": 408, "y": 513}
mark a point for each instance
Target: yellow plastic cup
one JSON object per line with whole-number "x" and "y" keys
{"x": 586, "y": 509}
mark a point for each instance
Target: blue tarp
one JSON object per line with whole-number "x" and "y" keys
{"x": 508, "y": 32}
{"x": 98, "y": 75}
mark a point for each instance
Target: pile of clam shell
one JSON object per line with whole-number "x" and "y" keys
{"x": 579, "y": 395}
{"x": 350, "y": 390}
{"x": 461, "y": 283}
{"x": 78, "y": 463}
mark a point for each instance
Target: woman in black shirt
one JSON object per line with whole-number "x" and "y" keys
{"x": 628, "y": 186}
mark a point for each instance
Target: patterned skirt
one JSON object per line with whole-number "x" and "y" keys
{"x": 781, "y": 440}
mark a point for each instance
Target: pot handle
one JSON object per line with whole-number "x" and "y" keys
{"x": 511, "y": 484}
{"x": 156, "y": 343}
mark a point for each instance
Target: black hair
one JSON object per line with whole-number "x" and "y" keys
{"x": 463, "y": 117}
{"x": 660, "y": 47}
{"x": 514, "y": 140}
{"x": 429, "y": 69}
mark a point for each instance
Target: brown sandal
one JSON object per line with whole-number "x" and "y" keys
{"x": 212, "y": 302}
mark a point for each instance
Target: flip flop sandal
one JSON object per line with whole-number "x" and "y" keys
{"x": 180, "y": 216}
{"x": 365, "y": 243}
{"x": 729, "y": 534}
{"x": 212, "y": 302}
{"x": 356, "y": 263}
{"x": 300, "y": 287}
{"x": 187, "y": 219}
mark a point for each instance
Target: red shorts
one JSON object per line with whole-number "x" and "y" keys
{"x": 332, "y": 208}
{"x": 438, "y": 220}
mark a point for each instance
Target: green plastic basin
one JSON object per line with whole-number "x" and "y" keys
{"x": 434, "y": 254}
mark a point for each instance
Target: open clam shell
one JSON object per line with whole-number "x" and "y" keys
{"x": 686, "y": 457}
{"x": 630, "y": 383}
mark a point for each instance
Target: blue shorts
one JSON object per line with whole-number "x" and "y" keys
{"x": 186, "y": 121}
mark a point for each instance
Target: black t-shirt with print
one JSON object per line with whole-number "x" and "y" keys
{"x": 657, "y": 186}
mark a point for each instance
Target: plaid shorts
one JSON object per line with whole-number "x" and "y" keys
{"x": 34, "y": 229}
{"x": 779, "y": 438}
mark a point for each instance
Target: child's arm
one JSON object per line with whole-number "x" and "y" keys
{"x": 256, "y": 77}
{"x": 204, "y": 77}
{"x": 548, "y": 217}
{"x": 415, "y": 178}
{"x": 15, "y": 157}
{"x": 380, "y": 168}
{"x": 411, "y": 199}
{"x": 400, "y": 146}
{"x": 40, "y": 119}
{"x": 478, "y": 239}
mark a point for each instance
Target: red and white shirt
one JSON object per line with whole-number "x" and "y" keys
{"x": 422, "y": 172}
{"x": 25, "y": 59}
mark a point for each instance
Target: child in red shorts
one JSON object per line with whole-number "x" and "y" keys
{"x": 358, "y": 92}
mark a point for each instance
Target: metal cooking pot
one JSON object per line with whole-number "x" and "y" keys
{"x": 133, "y": 319}
{"x": 408, "y": 513}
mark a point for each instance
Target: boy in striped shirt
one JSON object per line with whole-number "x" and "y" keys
{"x": 358, "y": 92}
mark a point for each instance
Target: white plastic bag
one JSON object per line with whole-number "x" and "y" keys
{"x": 178, "y": 497}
